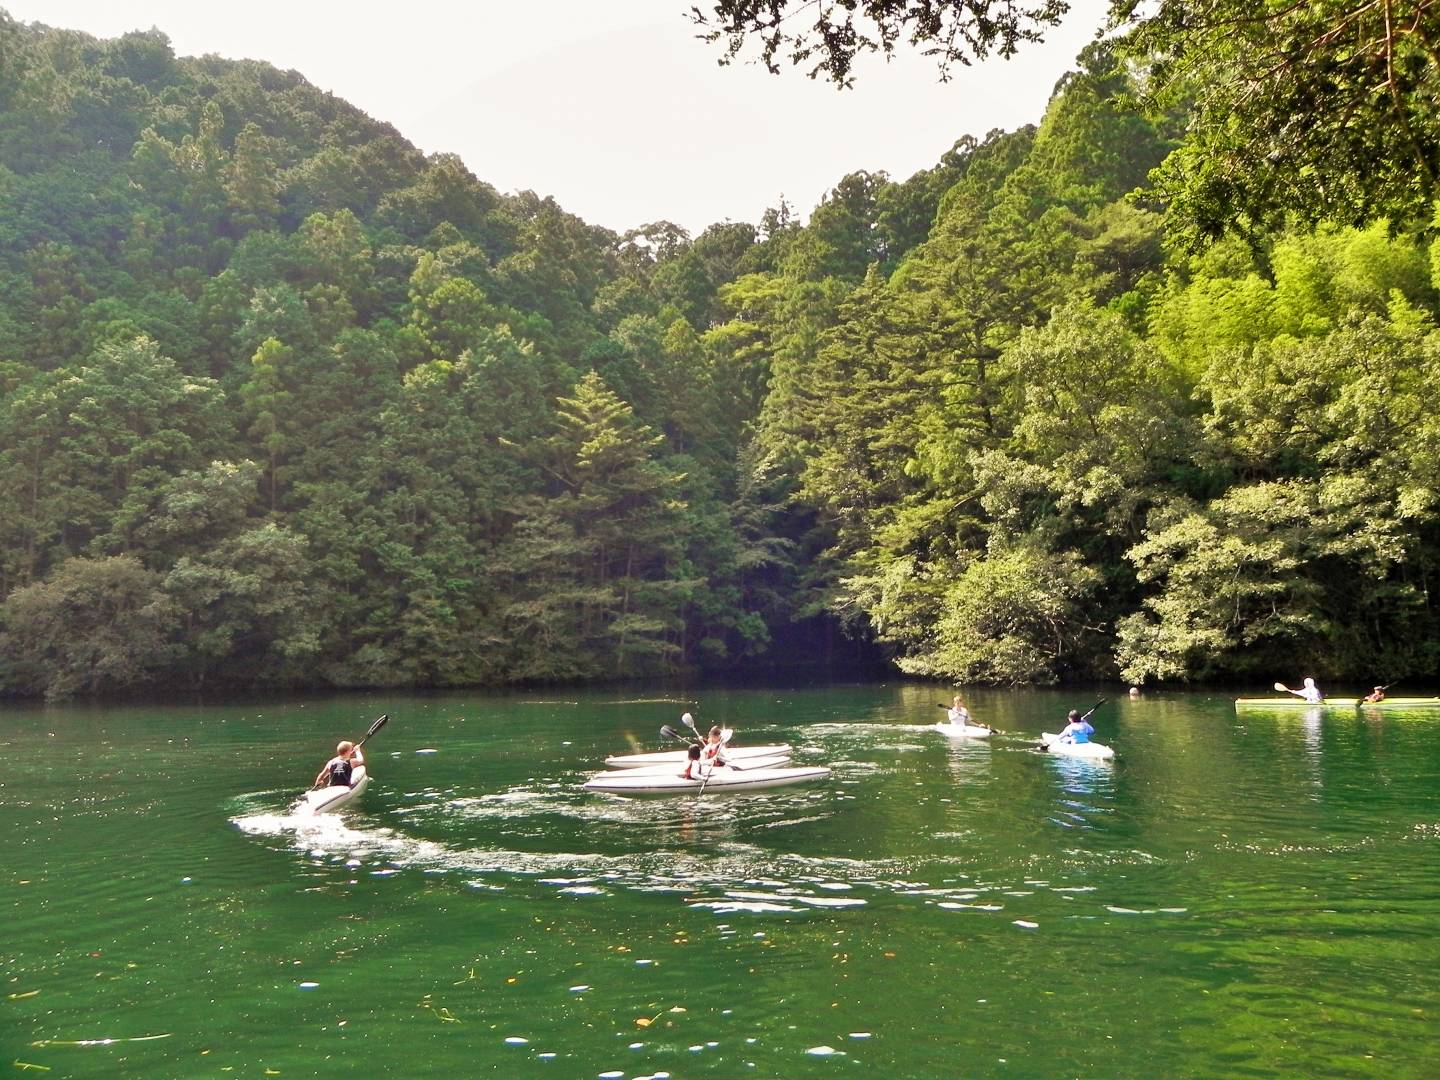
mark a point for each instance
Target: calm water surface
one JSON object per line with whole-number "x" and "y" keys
{"x": 1238, "y": 895}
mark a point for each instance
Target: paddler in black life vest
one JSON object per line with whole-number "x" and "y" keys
{"x": 340, "y": 768}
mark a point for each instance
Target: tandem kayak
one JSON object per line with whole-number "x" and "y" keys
{"x": 327, "y": 799}
{"x": 1094, "y": 751}
{"x": 1295, "y": 703}
{"x": 677, "y": 757}
{"x": 675, "y": 768}
{"x": 629, "y": 782}
{"x": 963, "y": 731}
{"x": 1338, "y": 703}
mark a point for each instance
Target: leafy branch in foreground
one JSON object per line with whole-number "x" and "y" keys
{"x": 829, "y": 34}
{"x": 1325, "y": 108}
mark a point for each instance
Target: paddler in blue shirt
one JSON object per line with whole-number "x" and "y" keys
{"x": 1077, "y": 728}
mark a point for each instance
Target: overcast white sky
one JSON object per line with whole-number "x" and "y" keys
{"x": 611, "y": 106}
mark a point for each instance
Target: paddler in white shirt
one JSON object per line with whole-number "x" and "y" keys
{"x": 712, "y": 753}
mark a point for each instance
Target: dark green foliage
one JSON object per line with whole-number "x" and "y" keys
{"x": 284, "y": 401}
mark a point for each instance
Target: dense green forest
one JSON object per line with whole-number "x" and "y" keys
{"x": 285, "y": 402}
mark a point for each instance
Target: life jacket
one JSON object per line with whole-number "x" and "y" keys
{"x": 340, "y": 772}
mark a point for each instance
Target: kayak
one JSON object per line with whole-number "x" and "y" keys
{"x": 1092, "y": 750}
{"x": 674, "y": 768}
{"x": 628, "y": 782}
{"x": 963, "y": 731}
{"x": 1338, "y": 703}
{"x": 1295, "y": 703}
{"x": 677, "y": 757}
{"x": 327, "y": 799}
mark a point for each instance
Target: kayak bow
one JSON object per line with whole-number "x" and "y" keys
{"x": 327, "y": 799}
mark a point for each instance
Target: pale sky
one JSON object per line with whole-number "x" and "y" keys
{"x": 611, "y": 106}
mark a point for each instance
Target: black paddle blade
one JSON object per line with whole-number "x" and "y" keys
{"x": 378, "y": 724}
{"x": 670, "y": 733}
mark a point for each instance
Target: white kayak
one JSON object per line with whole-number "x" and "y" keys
{"x": 668, "y": 768}
{"x": 677, "y": 757}
{"x": 963, "y": 731}
{"x": 629, "y": 782}
{"x": 326, "y": 799}
{"x": 1094, "y": 751}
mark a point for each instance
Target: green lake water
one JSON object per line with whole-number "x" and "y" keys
{"x": 1237, "y": 895}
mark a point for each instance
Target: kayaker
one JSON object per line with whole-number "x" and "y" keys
{"x": 1077, "y": 728}
{"x": 692, "y": 763}
{"x": 1375, "y": 696}
{"x": 1310, "y": 692}
{"x": 1134, "y": 693}
{"x": 711, "y": 754}
{"x": 959, "y": 715}
{"x": 341, "y": 768}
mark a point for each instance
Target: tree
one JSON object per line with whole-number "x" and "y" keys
{"x": 246, "y": 605}
{"x": 618, "y": 502}
{"x": 95, "y": 625}
{"x": 1325, "y": 109}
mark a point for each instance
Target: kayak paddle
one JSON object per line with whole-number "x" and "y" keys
{"x": 376, "y": 726}
{"x": 670, "y": 733}
{"x": 706, "y": 779}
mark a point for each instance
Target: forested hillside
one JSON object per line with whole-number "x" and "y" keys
{"x": 285, "y": 402}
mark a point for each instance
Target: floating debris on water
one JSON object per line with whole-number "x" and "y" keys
{"x": 824, "y": 1051}
{"x": 42, "y": 1043}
